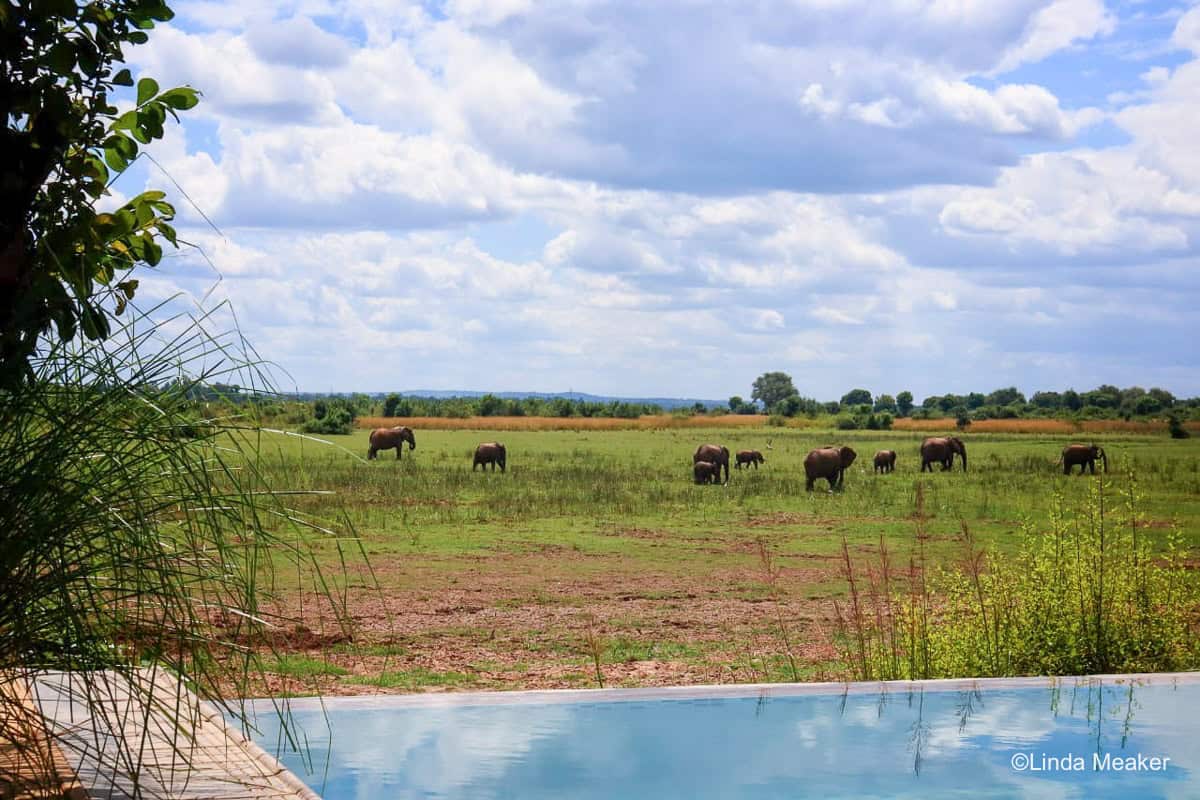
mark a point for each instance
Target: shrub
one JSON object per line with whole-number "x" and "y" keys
{"x": 777, "y": 420}
{"x": 335, "y": 421}
{"x": 1175, "y": 428}
{"x": 845, "y": 422}
{"x": 1085, "y": 594}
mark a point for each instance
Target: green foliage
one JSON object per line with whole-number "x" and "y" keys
{"x": 856, "y": 397}
{"x": 846, "y": 422}
{"x": 64, "y": 142}
{"x": 904, "y": 403}
{"x": 390, "y": 405}
{"x": 1176, "y": 429}
{"x": 1087, "y": 592}
{"x": 771, "y": 388}
{"x": 777, "y": 421}
{"x": 961, "y": 420}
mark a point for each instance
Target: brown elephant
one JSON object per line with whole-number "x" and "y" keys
{"x": 885, "y": 461}
{"x": 1085, "y": 455}
{"x": 706, "y": 472}
{"x": 829, "y": 463}
{"x": 749, "y": 457}
{"x": 714, "y": 454}
{"x": 942, "y": 449}
{"x": 387, "y": 438}
{"x": 490, "y": 453}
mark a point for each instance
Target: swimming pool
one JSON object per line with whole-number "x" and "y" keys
{"x": 1096, "y": 738}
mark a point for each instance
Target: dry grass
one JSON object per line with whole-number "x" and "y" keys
{"x": 1046, "y": 426}
{"x": 657, "y": 421}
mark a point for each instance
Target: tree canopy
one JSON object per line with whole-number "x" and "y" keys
{"x": 74, "y": 122}
{"x": 771, "y": 388}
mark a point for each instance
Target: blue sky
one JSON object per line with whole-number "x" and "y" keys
{"x": 671, "y": 198}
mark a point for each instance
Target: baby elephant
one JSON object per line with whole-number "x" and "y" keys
{"x": 885, "y": 461}
{"x": 490, "y": 453}
{"x": 706, "y": 472}
{"x": 749, "y": 457}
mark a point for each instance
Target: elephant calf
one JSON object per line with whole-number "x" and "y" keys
{"x": 490, "y": 453}
{"x": 885, "y": 461}
{"x": 749, "y": 457}
{"x": 706, "y": 472}
{"x": 829, "y": 463}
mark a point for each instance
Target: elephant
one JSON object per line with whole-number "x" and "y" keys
{"x": 714, "y": 454}
{"x": 490, "y": 453}
{"x": 885, "y": 461}
{"x": 706, "y": 472}
{"x": 942, "y": 449}
{"x": 387, "y": 438}
{"x": 829, "y": 463}
{"x": 749, "y": 457}
{"x": 1085, "y": 456}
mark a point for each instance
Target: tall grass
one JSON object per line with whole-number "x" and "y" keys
{"x": 134, "y": 540}
{"x": 1044, "y": 426}
{"x": 647, "y": 422}
{"x": 1086, "y": 592}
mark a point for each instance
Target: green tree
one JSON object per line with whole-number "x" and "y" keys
{"x": 856, "y": 397}
{"x": 772, "y": 387}
{"x": 1004, "y": 397}
{"x": 904, "y": 403}
{"x": 62, "y": 263}
{"x": 390, "y": 403}
{"x": 489, "y": 406}
{"x": 885, "y": 402}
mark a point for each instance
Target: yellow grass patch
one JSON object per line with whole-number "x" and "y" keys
{"x": 576, "y": 423}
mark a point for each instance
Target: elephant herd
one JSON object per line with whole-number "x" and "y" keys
{"x": 830, "y": 463}
{"x": 823, "y": 463}
{"x": 488, "y": 453}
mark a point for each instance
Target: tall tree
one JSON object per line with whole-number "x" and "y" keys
{"x": 904, "y": 403}
{"x": 62, "y": 263}
{"x": 772, "y": 387}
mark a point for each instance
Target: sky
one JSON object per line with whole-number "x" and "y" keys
{"x": 671, "y": 198}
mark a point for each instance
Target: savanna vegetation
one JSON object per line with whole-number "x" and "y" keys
{"x": 595, "y": 559}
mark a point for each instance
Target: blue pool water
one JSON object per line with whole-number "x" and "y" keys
{"x": 987, "y": 739}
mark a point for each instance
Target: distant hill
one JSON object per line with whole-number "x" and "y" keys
{"x": 667, "y": 403}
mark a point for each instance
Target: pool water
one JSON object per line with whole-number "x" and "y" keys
{"x": 990, "y": 739}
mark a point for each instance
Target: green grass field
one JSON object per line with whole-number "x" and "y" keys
{"x": 509, "y": 580}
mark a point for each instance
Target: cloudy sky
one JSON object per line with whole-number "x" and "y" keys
{"x": 671, "y": 198}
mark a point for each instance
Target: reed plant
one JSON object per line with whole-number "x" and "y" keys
{"x": 1091, "y": 589}
{"x": 137, "y": 539}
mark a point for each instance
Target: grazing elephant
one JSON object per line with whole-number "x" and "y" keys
{"x": 885, "y": 461}
{"x": 706, "y": 472}
{"x": 749, "y": 457}
{"x": 829, "y": 463}
{"x": 714, "y": 454}
{"x": 942, "y": 449}
{"x": 490, "y": 453}
{"x": 1085, "y": 456}
{"x": 387, "y": 438}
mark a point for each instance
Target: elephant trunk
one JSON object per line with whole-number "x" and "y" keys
{"x": 1104, "y": 458}
{"x": 963, "y": 453}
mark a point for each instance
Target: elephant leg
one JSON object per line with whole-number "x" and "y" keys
{"x": 808, "y": 484}
{"x": 371, "y": 454}
{"x": 399, "y": 450}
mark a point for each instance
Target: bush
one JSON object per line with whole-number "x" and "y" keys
{"x": 337, "y": 421}
{"x": 1176, "y": 429}
{"x": 845, "y": 422}
{"x": 1085, "y": 594}
{"x": 777, "y": 421}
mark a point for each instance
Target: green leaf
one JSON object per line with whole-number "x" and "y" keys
{"x": 146, "y": 89}
{"x": 126, "y": 121}
{"x": 180, "y": 98}
{"x": 61, "y": 8}
{"x": 115, "y": 161}
{"x": 128, "y": 287}
{"x": 123, "y": 78}
{"x": 138, "y": 37}
{"x": 61, "y": 57}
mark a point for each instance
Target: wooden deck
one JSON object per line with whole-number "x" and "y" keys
{"x": 174, "y": 746}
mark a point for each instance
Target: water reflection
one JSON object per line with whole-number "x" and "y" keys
{"x": 921, "y": 742}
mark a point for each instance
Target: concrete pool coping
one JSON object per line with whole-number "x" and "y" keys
{"x": 710, "y": 692}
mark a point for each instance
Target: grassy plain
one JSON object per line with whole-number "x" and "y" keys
{"x": 595, "y": 558}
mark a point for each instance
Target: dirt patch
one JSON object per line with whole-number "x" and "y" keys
{"x": 504, "y": 624}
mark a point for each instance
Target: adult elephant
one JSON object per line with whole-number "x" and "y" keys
{"x": 706, "y": 472}
{"x": 713, "y": 454}
{"x": 748, "y": 457}
{"x": 829, "y": 463}
{"x": 490, "y": 453}
{"x": 885, "y": 461}
{"x": 387, "y": 438}
{"x": 1085, "y": 455}
{"x": 942, "y": 449}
